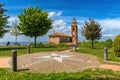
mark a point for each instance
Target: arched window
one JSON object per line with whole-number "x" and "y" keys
{"x": 73, "y": 29}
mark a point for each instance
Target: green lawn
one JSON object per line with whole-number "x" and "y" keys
{"x": 85, "y": 75}
{"x": 100, "y": 53}
{"x": 6, "y": 50}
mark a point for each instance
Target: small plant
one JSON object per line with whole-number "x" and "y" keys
{"x": 62, "y": 45}
{"x": 51, "y": 45}
{"x": 31, "y": 44}
{"x": 116, "y": 45}
{"x": 108, "y": 43}
{"x": 40, "y": 45}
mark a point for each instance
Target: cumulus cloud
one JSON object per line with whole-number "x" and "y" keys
{"x": 110, "y": 27}
{"x": 59, "y": 13}
{"x": 59, "y": 25}
{"x": 51, "y": 14}
{"x": 110, "y": 23}
{"x": 54, "y": 14}
{"x": 109, "y": 35}
{"x": 12, "y": 18}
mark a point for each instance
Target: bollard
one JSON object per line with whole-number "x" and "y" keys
{"x": 105, "y": 54}
{"x": 28, "y": 49}
{"x": 14, "y": 60}
{"x": 75, "y": 46}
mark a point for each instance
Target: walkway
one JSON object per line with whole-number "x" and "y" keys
{"x": 4, "y": 63}
{"x": 113, "y": 67}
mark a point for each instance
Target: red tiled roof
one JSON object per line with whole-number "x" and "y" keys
{"x": 60, "y": 34}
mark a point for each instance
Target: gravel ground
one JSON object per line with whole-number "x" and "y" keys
{"x": 76, "y": 62}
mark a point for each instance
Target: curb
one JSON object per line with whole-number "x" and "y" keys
{"x": 113, "y": 63}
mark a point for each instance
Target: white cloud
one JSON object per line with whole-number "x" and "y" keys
{"x": 59, "y": 13}
{"x": 59, "y": 25}
{"x": 51, "y": 14}
{"x": 54, "y": 14}
{"x": 109, "y": 35}
{"x": 12, "y": 18}
{"x": 110, "y": 23}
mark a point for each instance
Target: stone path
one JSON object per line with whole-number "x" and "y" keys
{"x": 57, "y": 62}
{"x": 110, "y": 66}
{"x": 5, "y": 60}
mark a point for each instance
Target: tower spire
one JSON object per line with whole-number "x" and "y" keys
{"x": 74, "y": 23}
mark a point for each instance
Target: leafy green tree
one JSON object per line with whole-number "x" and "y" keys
{"x": 15, "y": 29}
{"x": 3, "y": 20}
{"x": 34, "y": 22}
{"x": 108, "y": 43}
{"x": 116, "y": 45}
{"x": 91, "y": 30}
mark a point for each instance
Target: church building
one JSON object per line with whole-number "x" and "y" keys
{"x": 57, "y": 37}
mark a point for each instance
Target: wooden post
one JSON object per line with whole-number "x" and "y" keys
{"x": 28, "y": 49}
{"x": 75, "y": 46}
{"x": 105, "y": 54}
{"x": 14, "y": 60}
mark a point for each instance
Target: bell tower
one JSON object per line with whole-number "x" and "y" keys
{"x": 74, "y": 31}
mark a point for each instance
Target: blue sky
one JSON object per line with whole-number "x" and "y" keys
{"x": 106, "y": 12}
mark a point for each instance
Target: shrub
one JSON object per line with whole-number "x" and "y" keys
{"x": 31, "y": 44}
{"x": 86, "y": 44}
{"x": 62, "y": 45}
{"x": 108, "y": 43}
{"x": 40, "y": 45}
{"x": 97, "y": 44}
{"x": 51, "y": 45}
{"x": 116, "y": 45}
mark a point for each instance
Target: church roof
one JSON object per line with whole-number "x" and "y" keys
{"x": 60, "y": 34}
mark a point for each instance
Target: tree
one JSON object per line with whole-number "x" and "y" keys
{"x": 91, "y": 30}
{"x": 116, "y": 45}
{"x": 3, "y": 20}
{"x": 14, "y": 30}
{"x": 108, "y": 43}
{"x": 34, "y": 22}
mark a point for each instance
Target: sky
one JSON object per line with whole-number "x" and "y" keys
{"x": 106, "y": 12}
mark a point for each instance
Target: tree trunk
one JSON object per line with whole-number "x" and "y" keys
{"x": 35, "y": 40}
{"x": 16, "y": 40}
{"x": 92, "y": 44}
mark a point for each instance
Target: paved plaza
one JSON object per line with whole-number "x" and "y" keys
{"x": 57, "y": 62}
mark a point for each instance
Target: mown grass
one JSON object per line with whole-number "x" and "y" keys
{"x": 6, "y": 50}
{"x": 99, "y": 53}
{"x": 85, "y": 75}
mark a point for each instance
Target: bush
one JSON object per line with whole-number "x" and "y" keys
{"x": 97, "y": 44}
{"x": 116, "y": 45}
{"x": 62, "y": 45}
{"x": 86, "y": 44}
{"x": 51, "y": 45}
{"x": 39, "y": 45}
{"x": 108, "y": 43}
{"x": 31, "y": 44}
